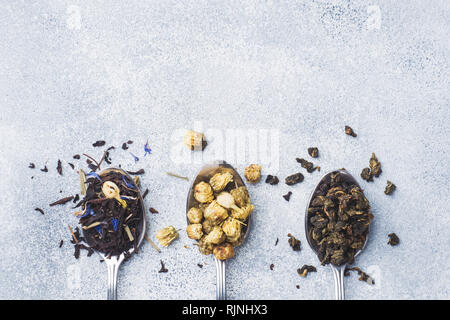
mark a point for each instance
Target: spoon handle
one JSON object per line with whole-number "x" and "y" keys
{"x": 221, "y": 293}
{"x": 338, "y": 273}
{"x": 113, "y": 268}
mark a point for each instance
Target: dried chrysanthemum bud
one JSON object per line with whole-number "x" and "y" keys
{"x": 244, "y": 213}
{"x": 224, "y": 252}
{"x": 220, "y": 180}
{"x": 240, "y": 195}
{"x": 203, "y": 192}
{"x": 194, "y": 231}
{"x": 253, "y": 173}
{"x": 167, "y": 235}
{"x": 204, "y": 247}
{"x": 226, "y": 200}
{"x": 232, "y": 229}
{"x": 195, "y": 215}
{"x": 194, "y": 140}
{"x": 207, "y": 226}
{"x": 215, "y": 212}
{"x": 216, "y": 236}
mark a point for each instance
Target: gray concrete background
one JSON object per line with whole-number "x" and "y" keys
{"x": 73, "y": 72}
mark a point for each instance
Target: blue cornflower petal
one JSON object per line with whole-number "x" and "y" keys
{"x": 147, "y": 149}
{"x": 93, "y": 174}
{"x": 115, "y": 223}
{"x": 129, "y": 185}
{"x": 136, "y": 159}
{"x": 99, "y": 229}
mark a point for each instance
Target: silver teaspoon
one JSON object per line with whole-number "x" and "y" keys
{"x": 113, "y": 263}
{"x": 338, "y": 271}
{"x": 204, "y": 175}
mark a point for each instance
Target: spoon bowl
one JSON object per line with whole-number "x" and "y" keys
{"x": 113, "y": 262}
{"x": 338, "y": 271}
{"x": 205, "y": 174}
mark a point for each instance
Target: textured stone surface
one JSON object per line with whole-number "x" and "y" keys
{"x": 73, "y": 72}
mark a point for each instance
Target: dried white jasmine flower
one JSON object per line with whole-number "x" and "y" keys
{"x": 220, "y": 180}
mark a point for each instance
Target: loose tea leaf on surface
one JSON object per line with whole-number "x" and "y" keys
{"x": 99, "y": 143}
{"x": 136, "y": 173}
{"x": 39, "y": 210}
{"x": 309, "y": 166}
{"x": 375, "y": 165}
{"x": 45, "y": 169}
{"x": 294, "y": 243}
{"x": 367, "y": 175}
{"x": 294, "y": 179}
{"x": 393, "y": 239}
{"x": 163, "y": 268}
{"x": 349, "y": 131}
{"x": 303, "y": 271}
{"x": 31, "y": 166}
{"x": 62, "y": 201}
{"x": 287, "y": 196}
{"x": 362, "y": 275}
{"x": 59, "y": 167}
{"x": 390, "y": 188}
{"x": 272, "y": 180}
{"x": 153, "y": 210}
{"x": 313, "y": 152}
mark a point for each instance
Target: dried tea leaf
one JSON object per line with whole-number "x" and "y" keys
{"x": 367, "y": 175}
{"x": 272, "y": 266}
{"x": 294, "y": 179}
{"x": 135, "y": 173}
{"x": 390, "y": 187}
{"x": 287, "y": 196}
{"x": 62, "y": 201}
{"x": 39, "y": 210}
{"x": 45, "y": 169}
{"x": 313, "y": 152}
{"x": 153, "y": 210}
{"x": 145, "y": 193}
{"x": 99, "y": 143}
{"x": 31, "y": 166}
{"x": 59, "y": 167}
{"x": 77, "y": 157}
{"x": 303, "y": 271}
{"x": 61, "y": 243}
{"x": 272, "y": 180}
{"x": 362, "y": 275}
{"x": 309, "y": 166}
{"x": 163, "y": 268}
{"x": 294, "y": 243}
{"x": 393, "y": 239}
{"x": 349, "y": 131}
{"x": 375, "y": 165}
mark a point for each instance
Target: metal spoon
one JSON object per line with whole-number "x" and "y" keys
{"x": 114, "y": 262}
{"x": 338, "y": 271}
{"x": 204, "y": 175}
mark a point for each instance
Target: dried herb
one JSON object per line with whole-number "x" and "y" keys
{"x": 124, "y": 146}
{"x": 297, "y": 286}
{"x": 136, "y": 173}
{"x": 147, "y": 149}
{"x": 276, "y": 242}
{"x": 31, "y": 166}
{"x": 313, "y": 152}
{"x": 40, "y": 210}
{"x": 76, "y": 198}
{"x": 375, "y": 165}
{"x": 145, "y": 192}
{"x": 287, "y": 196}
{"x": 62, "y": 201}
{"x": 362, "y": 275}
{"x": 393, "y": 239}
{"x": 59, "y": 167}
{"x": 130, "y": 142}
{"x": 271, "y": 266}
{"x": 45, "y": 169}
{"x": 167, "y": 235}
{"x": 303, "y": 271}
{"x": 390, "y": 188}
{"x": 367, "y": 175}
{"x": 77, "y": 157}
{"x": 61, "y": 243}
{"x": 294, "y": 179}
{"x": 99, "y": 143}
{"x": 349, "y": 131}
{"x": 152, "y": 243}
{"x": 339, "y": 215}
{"x": 309, "y": 166}
{"x": 163, "y": 268}
{"x": 294, "y": 243}
{"x": 177, "y": 176}
{"x": 136, "y": 159}
{"x": 200, "y": 265}
{"x": 153, "y": 210}
{"x": 272, "y": 180}
{"x": 71, "y": 165}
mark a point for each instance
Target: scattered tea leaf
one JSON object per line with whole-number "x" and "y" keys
{"x": 45, "y": 169}
{"x": 276, "y": 242}
{"x": 287, "y": 196}
{"x": 294, "y": 243}
{"x": 393, "y": 239}
{"x": 77, "y": 157}
{"x": 135, "y": 173}
{"x": 124, "y": 146}
{"x": 367, "y": 175}
{"x": 199, "y": 265}
{"x": 309, "y": 166}
{"x": 31, "y": 166}
{"x": 153, "y": 210}
{"x": 313, "y": 152}
{"x": 375, "y": 165}
{"x": 99, "y": 143}
{"x": 145, "y": 193}
{"x": 163, "y": 268}
{"x": 362, "y": 275}
{"x": 272, "y": 180}
{"x": 40, "y": 210}
{"x": 61, "y": 243}
{"x": 294, "y": 179}
{"x": 303, "y": 271}
{"x": 349, "y": 131}
{"x": 390, "y": 188}
{"x": 62, "y": 201}
{"x": 59, "y": 168}
{"x": 71, "y": 165}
